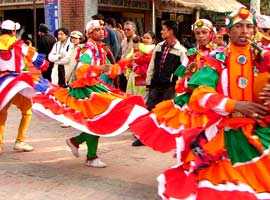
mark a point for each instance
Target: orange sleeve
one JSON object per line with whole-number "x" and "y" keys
{"x": 230, "y": 104}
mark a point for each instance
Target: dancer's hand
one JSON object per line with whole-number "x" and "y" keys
{"x": 265, "y": 95}
{"x": 251, "y": 109}
{"x": 106, "y": 67}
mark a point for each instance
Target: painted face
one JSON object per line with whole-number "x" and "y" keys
{"x": 202, "y": 36}
{"x": 147, "y": 39}
{"x": 241, "y": 32}
{"x": 61, "y": 36}
{"x": 98, "y": 34}
{"x": 128, "y": 31}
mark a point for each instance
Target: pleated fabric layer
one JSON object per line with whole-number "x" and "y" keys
{"x": 13, "y": 83}
{"x": 234, "y": 164}
{"x": 93, "y": 109}
{"x": 165, "y": 122}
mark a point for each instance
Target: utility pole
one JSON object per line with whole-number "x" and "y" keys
{"x": 35, "y": 22}
{"x": 255, "y": 7}
{"x": 153, "y": 16}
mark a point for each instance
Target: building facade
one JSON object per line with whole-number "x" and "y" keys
{"x": 74, "y": 14}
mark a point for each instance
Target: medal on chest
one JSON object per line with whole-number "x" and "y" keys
{"x": 242, "y": 82}
{"x": 242, "y": 59}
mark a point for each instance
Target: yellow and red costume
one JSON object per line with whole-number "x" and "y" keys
{"x": 15, "y": 87}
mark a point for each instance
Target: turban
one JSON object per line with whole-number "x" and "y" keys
{"x": 10, "y": 25}
{"x": 203, "y": 23}
{"x": 93, "y": 24}
{"x": 238, "y": 15}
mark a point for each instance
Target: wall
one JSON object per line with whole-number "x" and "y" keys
{"x": 72, "y": 14}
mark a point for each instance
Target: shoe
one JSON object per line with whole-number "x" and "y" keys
{"x": 137, "y": 143}
{"x": 64, "y": 125}
{"x": 96, "y": 162}
{"x": 22, "y": 146}
{"x": 73, "y": 147}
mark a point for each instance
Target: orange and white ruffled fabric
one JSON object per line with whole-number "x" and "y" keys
{"x": 88, "y": 104}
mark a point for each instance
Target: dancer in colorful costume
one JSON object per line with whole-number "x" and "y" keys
{"x": 170, "y": 117}
{"x": 229, "y": 157}
{"x": 16, "y": 87}
{"x": 88, "y": 104}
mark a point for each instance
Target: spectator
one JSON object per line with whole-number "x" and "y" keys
{"x": 76, "y": 38}
{"x": 167, "y": 56}
{"x": 119, "y": 29}
{"x": 160, "y": 78}
{"x": 111, "y": 23}
{"x": 140, "y": 59}
{"x": 127, "y": 46}
{"x": 60, "y": 56}
{"x": 44, "y": 45}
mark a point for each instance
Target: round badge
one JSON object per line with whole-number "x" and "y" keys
{"x": 242, "y": 82}
{"x": 242, "y": 59}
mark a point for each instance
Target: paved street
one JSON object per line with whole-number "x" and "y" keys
{"x": 51, "y": 172}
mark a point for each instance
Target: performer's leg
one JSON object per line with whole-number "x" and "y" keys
{"x": 91, "y": 142}
{"x": 92, "y": 145}
{"x": 74, "y": 142}
{"x": 24, "y": 104}
{"x": 92, "y": 159}
{"x": 3, "y": 118}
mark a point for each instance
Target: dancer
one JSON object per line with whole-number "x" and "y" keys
{"x": 228, "y": 158}
{"x": 88, "y": 104}
{"x": 170, "y": 117}
{"x": 16, "y": 88}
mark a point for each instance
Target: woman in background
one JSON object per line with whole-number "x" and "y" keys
{"x": 60, "y": 56}
{"x": 140, "y": 58}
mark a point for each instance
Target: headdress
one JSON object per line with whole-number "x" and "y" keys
{"x": 203, "y": 23}
{"x": 238, "y": 15}
{"x": 93, "y": 24}
{"x": 10, "y": 25}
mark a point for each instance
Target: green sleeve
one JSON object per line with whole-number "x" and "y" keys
{"x": 206, "y": 76}
{"x": 180, "y": 71}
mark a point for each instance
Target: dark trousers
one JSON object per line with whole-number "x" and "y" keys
{"x": 62, "y": 76}
{"x": 122, "y": 82}
{"x": 48, "y": 73}
{"x": 156, "y": 95}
